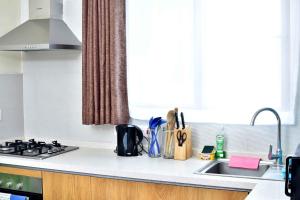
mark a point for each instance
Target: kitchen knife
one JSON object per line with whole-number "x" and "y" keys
{"x": 176, "y": 119}
{"x": 182, "y": 120}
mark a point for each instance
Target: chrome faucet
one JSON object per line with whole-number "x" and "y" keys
{"x": 278, "y": 155}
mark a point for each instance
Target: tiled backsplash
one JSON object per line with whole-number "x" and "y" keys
{"x": 238, "y": 138}
{"x": 11, "y": 105}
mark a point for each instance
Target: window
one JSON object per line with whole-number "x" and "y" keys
{"x": 218, "y": 60}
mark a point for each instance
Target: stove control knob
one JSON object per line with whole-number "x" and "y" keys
{"x": 9, "y": 185}
{"x": 19, "y": 186}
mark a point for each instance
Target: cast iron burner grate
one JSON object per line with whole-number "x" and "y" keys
{"x": 34, "y": 149}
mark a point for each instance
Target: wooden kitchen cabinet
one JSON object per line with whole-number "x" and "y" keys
{"x": 103, "y": 189}
{"x": 20, "y": 171}
{"x": 59, "y": 186}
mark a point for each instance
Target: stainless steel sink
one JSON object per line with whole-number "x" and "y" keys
{"x": 221, "y": 168}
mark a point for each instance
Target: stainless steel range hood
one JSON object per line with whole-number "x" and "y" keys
{"x": 45, "y": 30}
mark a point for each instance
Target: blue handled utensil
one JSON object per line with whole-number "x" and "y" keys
{"x": 154, "y": 126}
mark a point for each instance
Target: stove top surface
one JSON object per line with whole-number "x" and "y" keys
{"x": 33, "y": 149}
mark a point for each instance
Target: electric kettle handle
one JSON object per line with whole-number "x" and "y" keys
{"x": 139, "y": 134}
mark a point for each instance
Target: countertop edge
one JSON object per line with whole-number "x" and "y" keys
{"x": 132, "y": 179}
{"x": 105, "y": 164}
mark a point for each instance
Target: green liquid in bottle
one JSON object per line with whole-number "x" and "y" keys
{"x": 220, "y": 144}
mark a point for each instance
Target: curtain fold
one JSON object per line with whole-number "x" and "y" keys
{"x": 104, "y": 75}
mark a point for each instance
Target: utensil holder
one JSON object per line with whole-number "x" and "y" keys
{"x": 185, "y": 151}
{"x": 168, "y": 144}
{"x": 154, "y": 142}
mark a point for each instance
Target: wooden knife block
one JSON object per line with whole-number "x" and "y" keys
{"x": 185, "y": 151}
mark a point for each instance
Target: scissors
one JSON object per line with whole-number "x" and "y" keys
{"x": 181, "y": 137}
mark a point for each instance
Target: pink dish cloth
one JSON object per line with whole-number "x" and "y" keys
{"x": 244, "y": 162}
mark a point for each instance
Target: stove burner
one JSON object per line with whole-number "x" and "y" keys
{"x": 6, "y": 148}
{"x": 33, "y": 149}
{"x": 30, "y": 150}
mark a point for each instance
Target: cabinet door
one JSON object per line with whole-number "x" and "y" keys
{"x": 103, "y": 189}
{"x": 58, "y": 186}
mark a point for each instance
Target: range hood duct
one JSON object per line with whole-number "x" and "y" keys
{"x": 45, "y": 30}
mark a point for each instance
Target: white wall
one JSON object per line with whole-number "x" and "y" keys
{"x": 11, "y": 95}
{"x": 52, "y": 99}
{"x": 10, "y": 62}
{"x": 52, "y": 105}
{"x": 73, "y": 16}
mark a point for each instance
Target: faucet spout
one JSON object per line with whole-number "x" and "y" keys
{"x": 278, "y": 155}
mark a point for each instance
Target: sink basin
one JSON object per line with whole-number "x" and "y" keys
{"x": 222, "y": 168}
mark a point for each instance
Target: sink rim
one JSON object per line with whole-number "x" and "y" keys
{"x": 202, "y": 171}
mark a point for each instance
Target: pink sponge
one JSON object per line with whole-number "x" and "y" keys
{"x": 244, "y": 162}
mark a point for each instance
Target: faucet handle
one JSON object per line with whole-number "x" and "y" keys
{"x": 270, "y": 155}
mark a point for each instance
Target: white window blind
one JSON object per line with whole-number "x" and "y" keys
{"x": 217, "y": 60}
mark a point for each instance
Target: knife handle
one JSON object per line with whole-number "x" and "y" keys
{"x": 176, "y": 120}
{"x": 182, "y": 120}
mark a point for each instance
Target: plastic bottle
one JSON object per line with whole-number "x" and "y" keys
{"x": 220, "y": 140}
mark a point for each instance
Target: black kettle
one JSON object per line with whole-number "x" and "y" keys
{"x": 128, "y": 139}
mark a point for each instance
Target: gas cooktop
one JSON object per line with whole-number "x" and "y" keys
{"x": 34, "y": 149}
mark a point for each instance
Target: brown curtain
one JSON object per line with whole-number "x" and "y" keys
{"x": 104, "y": 88}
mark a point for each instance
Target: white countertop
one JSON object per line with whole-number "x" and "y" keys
{"x": 268, "y": 190}
{"x": 105, "y": 163}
